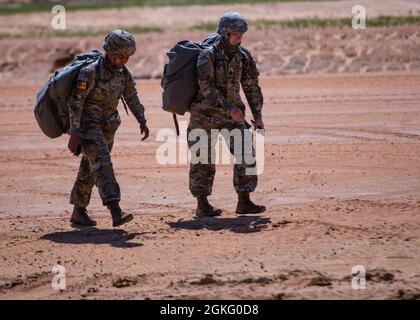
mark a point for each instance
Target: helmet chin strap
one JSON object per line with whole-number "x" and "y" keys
{"x": 228, "y": 48}
{"x": 111, "y": 60}
{"x": 228, "y": 40}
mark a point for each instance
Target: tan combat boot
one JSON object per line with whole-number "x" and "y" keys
{"x": 81, "y": 218}
{"x": 119, "y": 217}
{"x": 205, "y": 209}
{"x": 246, "y": 206}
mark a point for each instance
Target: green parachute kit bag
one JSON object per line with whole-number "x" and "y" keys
{"x": 51, "y": 108}
{"x": 179, "y": 81}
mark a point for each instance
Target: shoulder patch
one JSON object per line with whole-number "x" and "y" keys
{"x": 82, "y": 85}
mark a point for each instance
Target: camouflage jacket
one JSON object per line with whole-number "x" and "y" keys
{"x": 220, "y": 80}
{"x": 99, "y": 87}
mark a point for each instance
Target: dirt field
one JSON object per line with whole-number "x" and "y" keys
{"x": 341, "y": 183}
{"x": 341, "y": 180}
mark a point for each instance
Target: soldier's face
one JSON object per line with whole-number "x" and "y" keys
{"x": 235, "y": 38}
{"x": 118, "y": 60}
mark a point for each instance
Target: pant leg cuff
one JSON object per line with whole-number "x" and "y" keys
{"x": 111, "y": 200}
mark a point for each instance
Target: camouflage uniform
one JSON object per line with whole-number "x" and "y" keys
{"x": 94, "y": 117}
{"x": 220, "y": 79}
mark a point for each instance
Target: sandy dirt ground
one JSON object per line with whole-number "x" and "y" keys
{"x": 341, "y": 177}
{"x": 341, "y": 183}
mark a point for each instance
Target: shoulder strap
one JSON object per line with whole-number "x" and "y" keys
{"x": 125, "y": 70}
{"x": 125, "y": 105}
{"x": 244, "y": 52}
{"x": 97, "y": 70}
{"x": 214, "y": 54}
{"x": 176, "y": 124}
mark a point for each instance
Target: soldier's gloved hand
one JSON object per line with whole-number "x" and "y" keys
{"x": 75, "y": 144}
{"x": 236, "y": 114}
{"x": 258, "y": 123}
{"x": 144, "y": 129}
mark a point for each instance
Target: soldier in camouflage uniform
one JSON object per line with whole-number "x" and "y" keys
{"x": 222, "y": 69}
{"x": 94, "y": 120}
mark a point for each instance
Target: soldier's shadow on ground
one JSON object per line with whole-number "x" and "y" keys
{"x": 114, "y": 237}
{"x": 240, "y": 224}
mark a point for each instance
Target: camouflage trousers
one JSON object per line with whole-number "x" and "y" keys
{"x": 201, "y": 175}
{"x": 96, "y": 166}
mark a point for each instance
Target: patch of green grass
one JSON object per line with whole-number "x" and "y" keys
{"x": 4, "y": 35}
{"x": 43, "y": 32}
{"x": 78, "y": 33}
{"x": 301, "y": 23}
{"x": 98, "y": 32}
{"x": 46, "y": 6}
{"x": 139, "y": 29}
{"x": 205, "y": 26}
{"x": 383, "y": 21}
{"x": 266, "y": 24}
{"x": 386, "y": 21}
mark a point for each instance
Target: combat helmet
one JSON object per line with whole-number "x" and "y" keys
{"x": 120, "y": 42}
{"x": 231, "y": 22}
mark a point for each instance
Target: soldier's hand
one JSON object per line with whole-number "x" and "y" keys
{"x": 75, "y": 144}
{"x": 144, "y": 129}
{"x": 258, "y": 124}
{"x": 236, "y": 114}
